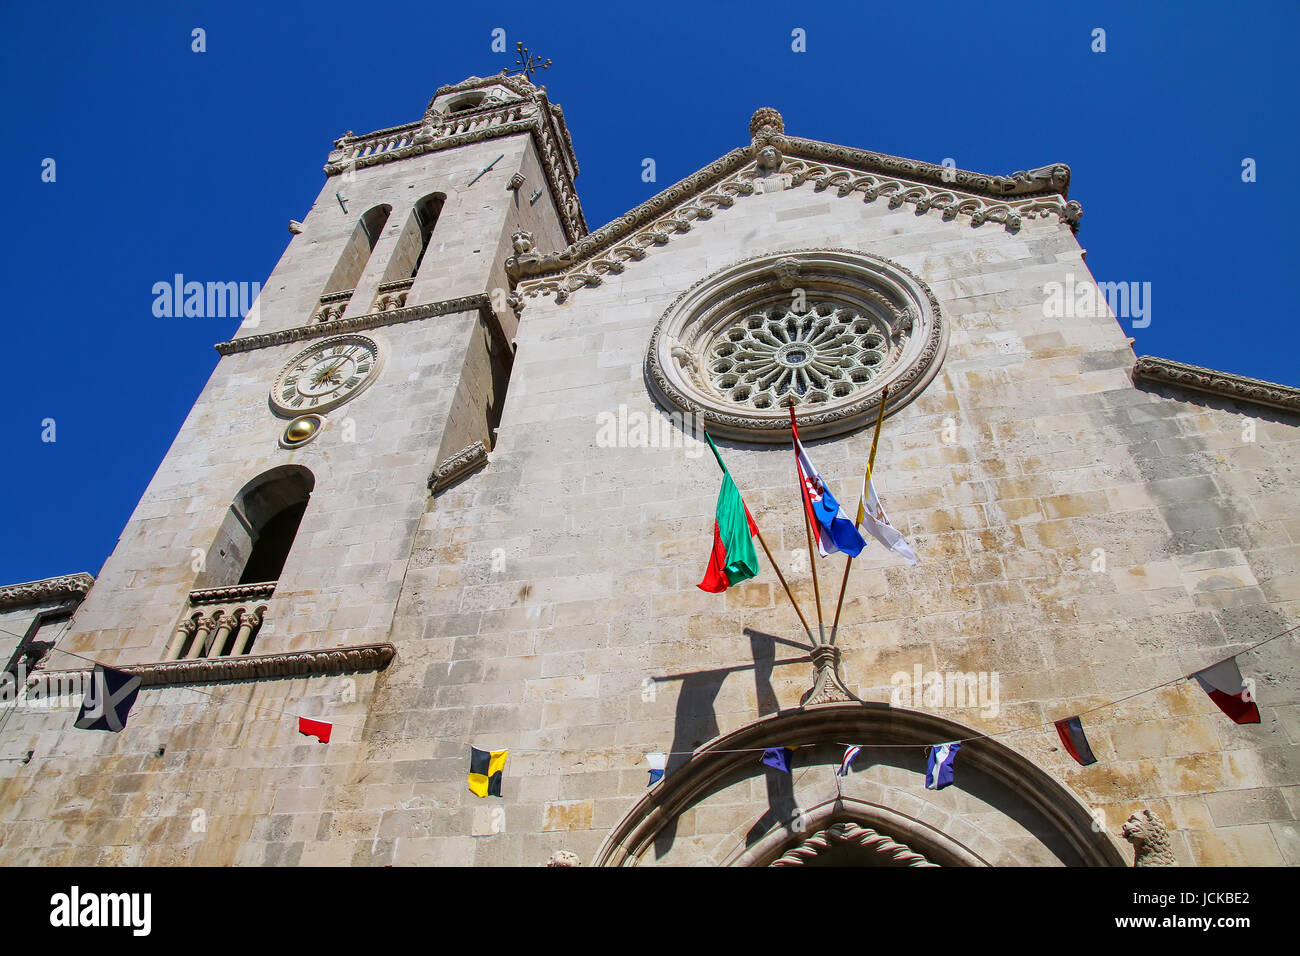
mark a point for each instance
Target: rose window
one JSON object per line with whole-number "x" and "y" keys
{"x": 824, "y": 329}
{"x": 824, "y": 353}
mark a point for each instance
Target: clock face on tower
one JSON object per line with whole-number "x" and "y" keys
{"x": 326, "y": 375}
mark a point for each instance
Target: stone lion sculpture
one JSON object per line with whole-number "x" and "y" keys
{"x": 1150, "y": 840}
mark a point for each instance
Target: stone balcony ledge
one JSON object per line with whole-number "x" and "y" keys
{"x": 216, "y": 670}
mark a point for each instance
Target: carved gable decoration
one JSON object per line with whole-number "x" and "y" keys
{"x": 774, "y": 160}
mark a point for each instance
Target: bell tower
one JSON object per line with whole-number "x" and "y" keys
{"x": 282, "y": 519}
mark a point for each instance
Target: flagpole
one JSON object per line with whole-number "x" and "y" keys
{"x": 871, "y": 461}
{"x": 807, "y": 527}
{"x": 775, "y": 567}
{"x": 781, "y": 577}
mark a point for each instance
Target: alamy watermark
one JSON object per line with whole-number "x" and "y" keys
{"x": 56, "y": 692}
{"x": 957, "y": 690}
{"x": 206, "y": 300}
{"x": 1071, "y": 299}
{"x": 624, "y": 429}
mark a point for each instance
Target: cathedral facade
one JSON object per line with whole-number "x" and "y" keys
{"x": 448, "y": 488}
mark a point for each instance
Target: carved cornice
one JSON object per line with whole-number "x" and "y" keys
{"x": 697, "y": 184}
{"x": 1224, "y": 384}
{"x": 480, "y": 302}
{"x": 1046, "y": 181}
{"x": 62, "y": 588}
{"x": 1010, "y": 213}
{"x": 216, "y": 670}
{"x": 531, "y": 113}
{"x": 677, "y": 209}
{"x": 232, "y": 593}
{"x": 852, "y": 835}
{"x": 452, "y": 469}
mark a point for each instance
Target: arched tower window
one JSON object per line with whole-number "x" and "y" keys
{"x": 415, "y": 238}
{"x": 259, "y": 528}
{"x": 356, "y": 254}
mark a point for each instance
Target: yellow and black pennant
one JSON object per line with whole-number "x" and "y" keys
{"x": 485, "y": 769}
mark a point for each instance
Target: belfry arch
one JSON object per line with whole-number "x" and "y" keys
{"x": 1002, "y": 810}
{"x": 259, "y": 528}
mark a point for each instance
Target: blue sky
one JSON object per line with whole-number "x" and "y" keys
{"x": 173, "y": 161}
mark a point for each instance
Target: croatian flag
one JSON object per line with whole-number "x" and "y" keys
{"x": 833, "y": 528}
{"x": 1226, "y": 688}
{"x": 939, "y": 771}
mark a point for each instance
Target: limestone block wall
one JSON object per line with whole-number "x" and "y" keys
{"x": 1056, "y": 456}
{"x": 549, "y": 602}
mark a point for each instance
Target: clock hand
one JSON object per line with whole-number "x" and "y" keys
{"x": 329, "y": 372}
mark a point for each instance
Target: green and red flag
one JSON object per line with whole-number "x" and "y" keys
{"x": 733, "y": 559}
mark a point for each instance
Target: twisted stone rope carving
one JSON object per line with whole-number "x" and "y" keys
{"x": 853, "y": 835}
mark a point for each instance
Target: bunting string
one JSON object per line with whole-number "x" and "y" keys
{"x": 280, "y": 712}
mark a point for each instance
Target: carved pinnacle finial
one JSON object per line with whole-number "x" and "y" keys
{"x": 766, "y": 116}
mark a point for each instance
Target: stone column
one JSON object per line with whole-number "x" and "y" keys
{"x": 204, "y": 627}
{"x": 184, "y": 630}
{"x": 224, "y": 627}
{"x": 244, "y": 638}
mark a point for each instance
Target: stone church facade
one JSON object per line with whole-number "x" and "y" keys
{"x": 444, "y": 488}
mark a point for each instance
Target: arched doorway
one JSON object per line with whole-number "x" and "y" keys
{"x": 1003, "y": 809}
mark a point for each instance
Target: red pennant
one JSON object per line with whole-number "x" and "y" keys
{"x": 315, "y": 728}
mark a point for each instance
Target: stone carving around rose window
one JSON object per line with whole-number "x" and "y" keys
{"x": 744, "y": 341}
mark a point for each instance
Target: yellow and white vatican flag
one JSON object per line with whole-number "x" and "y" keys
{"x": 873, "y": 520}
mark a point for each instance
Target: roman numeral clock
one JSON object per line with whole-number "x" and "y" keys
{"x": 320, "y": 378}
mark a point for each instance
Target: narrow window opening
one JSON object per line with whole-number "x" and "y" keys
{"x": 271, "y": 548}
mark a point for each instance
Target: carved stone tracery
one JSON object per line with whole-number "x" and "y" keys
{"x": 731, "y": 349}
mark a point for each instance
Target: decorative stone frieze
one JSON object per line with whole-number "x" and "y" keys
{"x": 733, "y": 347}
{"x": 1224, "y": 384}
{"x": 480, "y": 302}
{"x": 951, "y": 203}
{"x": 1007, "y": 200}
{"x": 605, "y": 251}
{"x": 527, "y": 111}
{"x": 63, "y": 588}
{"x": 450, "y": 470}
{"x": 337, "y": 660}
